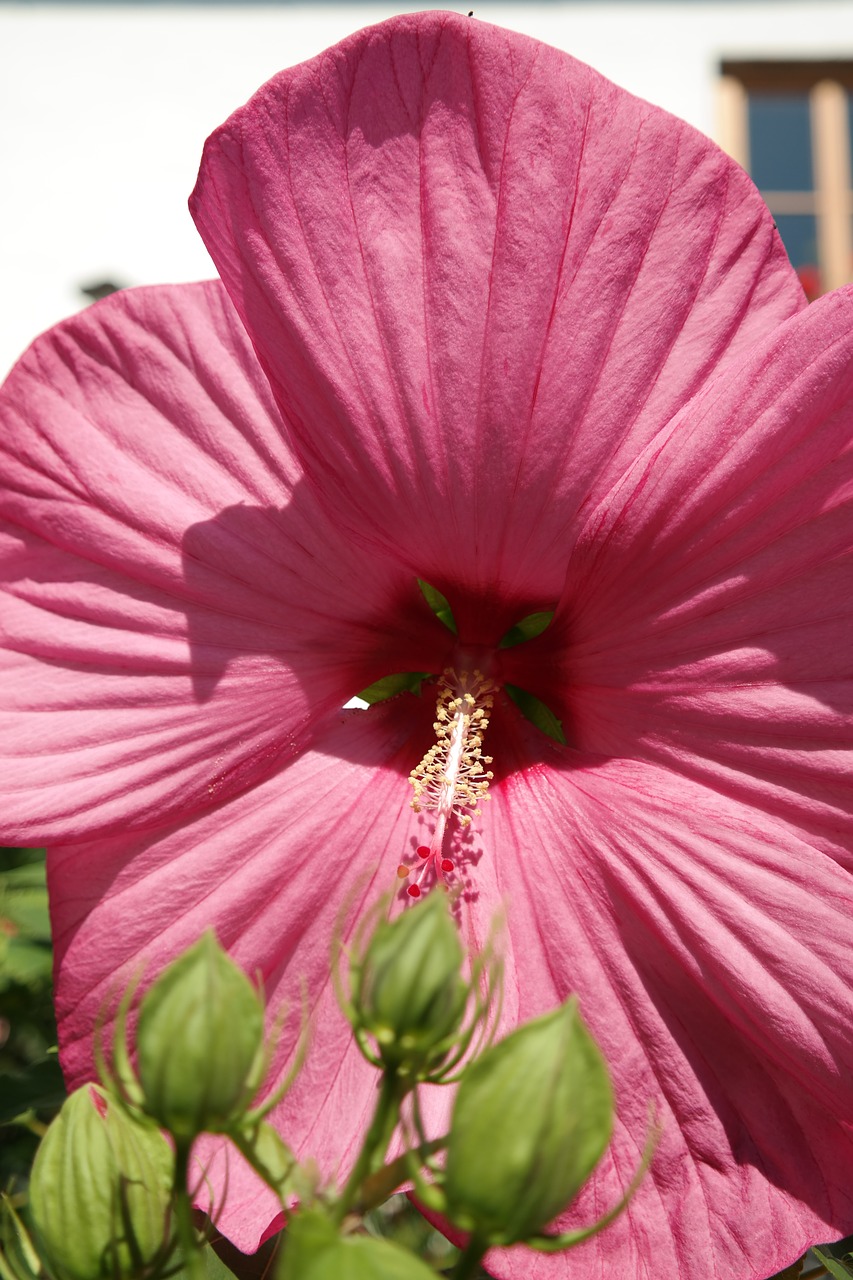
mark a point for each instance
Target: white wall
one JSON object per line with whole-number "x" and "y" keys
{"x": 104, "y": 109}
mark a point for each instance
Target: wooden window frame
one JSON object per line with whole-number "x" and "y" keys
{"x": 827, "y": 84}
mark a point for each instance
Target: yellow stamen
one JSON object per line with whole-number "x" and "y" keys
{"x": 453, "y": 776}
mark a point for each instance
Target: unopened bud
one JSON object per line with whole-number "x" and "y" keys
{"x": 315, "y": 1251}
{"x": 100, "y": 1192}
{"x": 199, "y": 1042}
{"x": 408, "y": 991}
{"x": 531, "y": 1120}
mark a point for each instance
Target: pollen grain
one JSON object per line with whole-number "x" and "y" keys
{"x": 453, "y": 777}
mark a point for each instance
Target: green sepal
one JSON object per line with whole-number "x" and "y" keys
{"x": 429, "y": 1194}
{"x": 268, "y": 1154}
{"x": 390, "y": 686}
{"x": 439, "y": 604}
{"x": 535, "y": 710}
{"x": 119, "y": 1075}
{"x": 567, "y": 1239}
{"x": 527, "y": 629}
{"x": 315, "y": 1251}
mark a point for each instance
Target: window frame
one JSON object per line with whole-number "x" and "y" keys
{"x": 827, "y": 84}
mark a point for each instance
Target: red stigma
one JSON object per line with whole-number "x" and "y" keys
{"x": 413, "y": 891}
{"x": 446, "y": 864}
{"x": 423, "y": 850}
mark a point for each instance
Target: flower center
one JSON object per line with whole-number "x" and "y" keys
{"x": 453, "y": 776}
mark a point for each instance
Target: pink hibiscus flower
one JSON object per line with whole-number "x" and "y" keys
{"x": 489, "y": 322}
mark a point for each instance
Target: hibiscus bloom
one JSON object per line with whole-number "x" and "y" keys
{"x": 489, "y": 322}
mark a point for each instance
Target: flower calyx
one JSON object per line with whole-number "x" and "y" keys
{"x": 100, "y": 1193}
{"x": 413, "y": 1012}
{"x": 201, "y": 1057}
{"x": 531, "y": 1120}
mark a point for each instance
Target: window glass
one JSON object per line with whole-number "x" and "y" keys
{"x": 780, "y": 144}
{"x": 799, "y": 236}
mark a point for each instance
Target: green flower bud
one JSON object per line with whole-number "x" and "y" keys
{"x": 408, "y": 992}
{"x": 199, "y": 1042}
{"x": 314, "y": 1251}
{"x": 100, "y": 1192}
{"x": 531, "y": 1120}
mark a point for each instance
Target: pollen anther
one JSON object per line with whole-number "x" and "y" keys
{"x": 453, "y": 778}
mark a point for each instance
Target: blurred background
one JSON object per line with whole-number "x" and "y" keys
{"x": 104, "y": 108}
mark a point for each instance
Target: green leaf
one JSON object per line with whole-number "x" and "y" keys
{"x": 14, "y": 856}
{"x": 23, "y": 902}
{"x": 314, "y": 1251}
{"x": 439, "y": 605}
{"x": 41, "y": 1089}
{"x": 836, "y": 1258}
{"x": 26, "y": 911}
{"x": 533, "y": 625}
{"x": 214, "y": 1267}
{"x": 31, "y": 875}
{"x": 30, "y": 964}
{"x": 537, "y": 712}
{"x": 390, "y": 686}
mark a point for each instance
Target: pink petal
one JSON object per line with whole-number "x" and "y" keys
{"x": 667, "y": 906}
{"x": 480, "y": 278}
{"x": 709, "y": 602}
{"x": 275, "y": 872}
{"x": 713, "y": 955}
{"x": 178, "y": 612}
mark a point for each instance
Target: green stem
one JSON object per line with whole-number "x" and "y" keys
{"x": 187, "y": 1234}
{"x": 381, "y": 1184}
{"x": 469, "y": 1259}
{"x": 376, "y": 1142}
